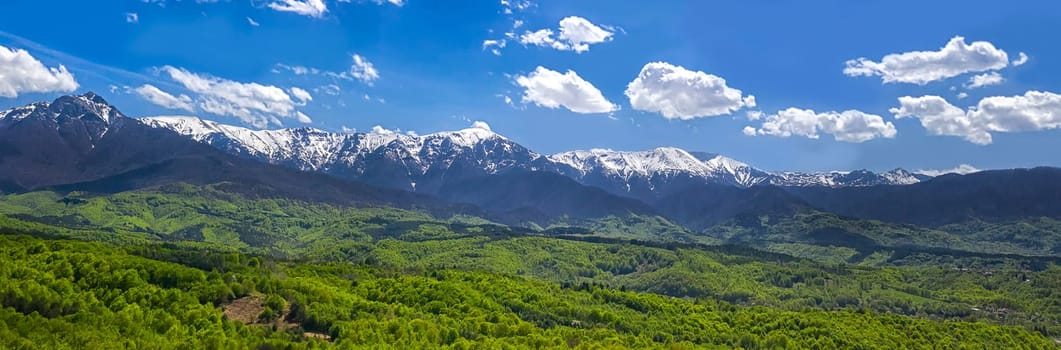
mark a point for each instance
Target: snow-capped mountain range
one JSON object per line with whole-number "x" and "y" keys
{"x": 426, "y": 162}
{"x": 410, "y": 162}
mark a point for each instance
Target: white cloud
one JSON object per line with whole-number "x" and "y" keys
{"x": 330, "y": 89}
{"x": 1035, "y": 110}
{"x": 381, "y": 130}
{"x": 576, "y": 34}
{"x": 363, "y": 70}
{"x": 255, "y": 104}
{"x": 158, "y": 97}
{"x": 923, "y": 67}
{"x": 302, "y": 117}
{"x": 495, "y": 46}
{"x": 940, "y": 117}
{"x": 478, "y": 124}
{"x": 20, "y": 73}
{"x": 960, "y": 169}
{"x": 311, "y": 8}
{"x": 552, "y": 89}
{"x": 580, "y": 33}
{"x": 297, "y": 70}
{"x": 132, "y": 17}
{"x": 252, "y": 22}
{"x": 679, "y": 93}
{"x": 847, "y": 126}
{"x": 541, "y": 37}
{"x": 1021, "y": 59}
{"x": 982, "y": 80}
{"x": 510, "y": 6}
{"x": 962, "y": 95}
{"x": 749, "y": 131}
{"x": 301, "y": 95}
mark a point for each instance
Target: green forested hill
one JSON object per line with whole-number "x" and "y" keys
{"x": 63, "y": 294}
{"x": 338, "y": 271}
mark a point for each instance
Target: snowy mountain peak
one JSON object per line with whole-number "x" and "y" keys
{"x": 900, "y": 176}
{"x": 194, "y": 127}
{"x": 308, "y": 147}
{"x": 88, "y": 105}
{"x": 19, "y": 113}
{"x": 662, "y": 161}
{"x": 657, "y": 161}
{"x": 726, "y": 163}
{"x": 466, "y": 137}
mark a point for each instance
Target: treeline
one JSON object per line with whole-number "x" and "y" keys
{"x": 66, "y": 294}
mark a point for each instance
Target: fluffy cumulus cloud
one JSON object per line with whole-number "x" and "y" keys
{"x": 960, "y": 170}
{"x": 982, "y": 80}
{"x": 1035, "y": 110}
{"x": 922, "y": 67}
{"x": 311, "y": 8}
{"x": 253, "y": 103}
{"x": 158, "y": 97}
{"x": 847, "y": 126}
{"x": 20, "y": 73}
{"x": 363, "y": 70}
{"x": 576, "y": 34}
{"x": 679, "y": 93}
{"x": 552, "y": 89}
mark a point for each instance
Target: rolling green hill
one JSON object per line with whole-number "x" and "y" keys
{"x": 926, "y": 285}
{"x": 63, "y": 294}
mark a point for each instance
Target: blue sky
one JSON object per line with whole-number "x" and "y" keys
{"x": 430, "y": 71}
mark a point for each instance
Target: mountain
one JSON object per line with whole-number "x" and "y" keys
{"x": 72, "y": 139}
{"x": 857, "y": 178}
{"x": 427, "y": 163}
{"x": 993, "y": 196}
{"x": 655, "y": 173}
{"x": 83, "y": 143}
{"x": 385, "y": 158}
{"x": 701, "y": 206}
{"x": 542, "y": 197}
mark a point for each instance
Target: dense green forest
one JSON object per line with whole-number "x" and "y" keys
{"x": 65, "y": 294}
{"x": 170, "y": 266}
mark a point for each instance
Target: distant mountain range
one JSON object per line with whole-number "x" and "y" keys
{"x": 425, "y": 163}
{"x": 81, "y": 143}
